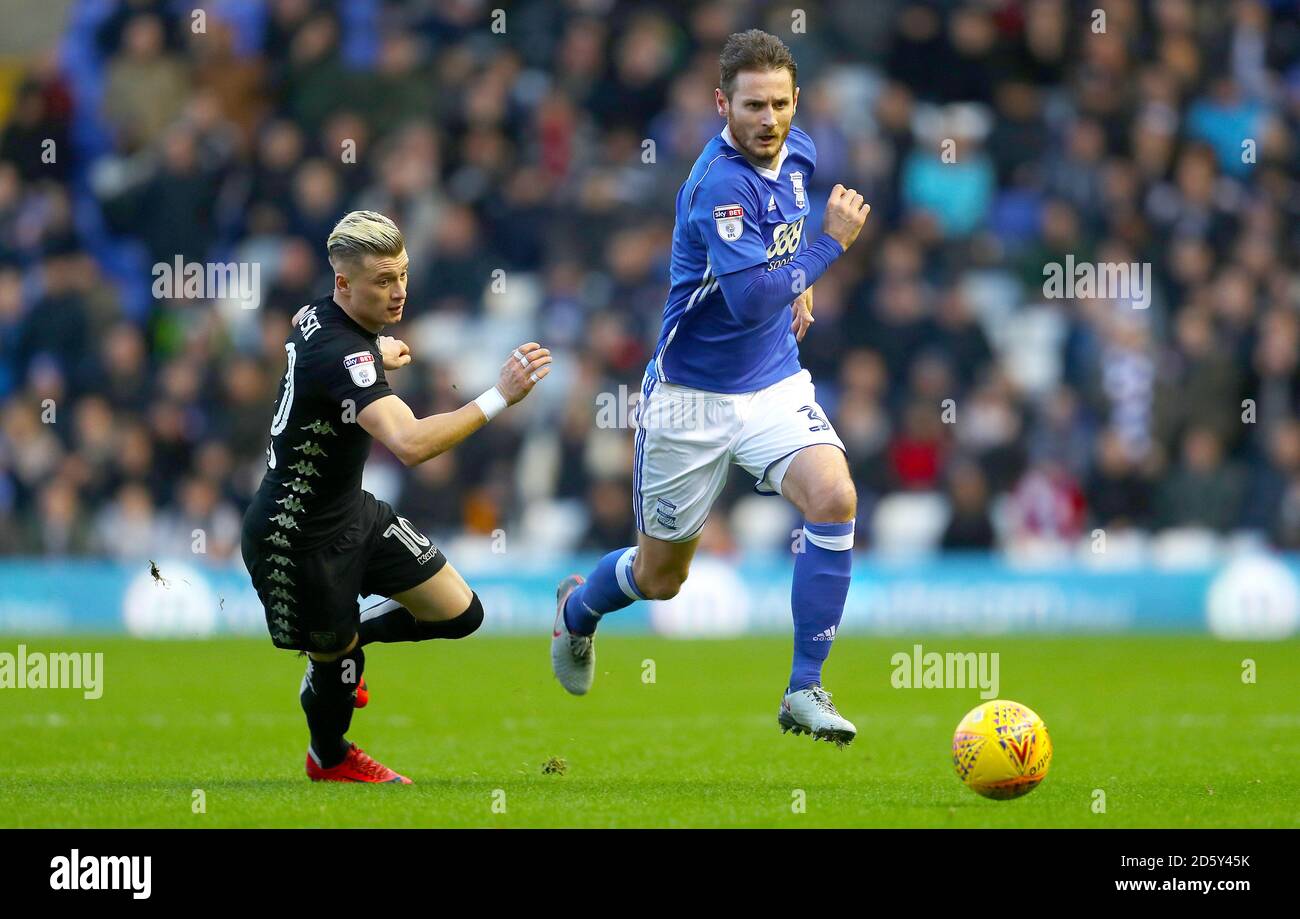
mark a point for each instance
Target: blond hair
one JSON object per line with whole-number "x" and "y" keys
{"x": 362, "y": 233}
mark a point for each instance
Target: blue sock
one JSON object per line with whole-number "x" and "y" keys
{"x": 821, "y": 582}
{"x": 609, "y": 587}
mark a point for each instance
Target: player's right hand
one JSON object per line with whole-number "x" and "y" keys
{"x": 523, "y": 369}
{"x": 845, "y": 214}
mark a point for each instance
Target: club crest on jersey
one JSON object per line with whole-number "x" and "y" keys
{"x": 796, "y": 180}
{"x": 730, "y": 221}
{"x": 362, "y": 367}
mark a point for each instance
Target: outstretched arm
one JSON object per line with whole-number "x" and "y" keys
{"x": 413, "y": 440}
{"x": 754, "y": 293}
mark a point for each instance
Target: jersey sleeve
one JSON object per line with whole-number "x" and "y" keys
{"x": 725, "y": 214}
{"x": 351, "y": 369}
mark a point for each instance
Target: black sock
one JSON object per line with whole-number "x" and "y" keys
{"x": 390, "y": 621}
{"x": 327, "y": 694}
{"x": 462, "y": 626}
{"x": 387, "y": 622}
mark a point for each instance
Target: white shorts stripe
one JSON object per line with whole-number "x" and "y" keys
{"x": 647, "y": 387}
{"x": 379, "y": 609}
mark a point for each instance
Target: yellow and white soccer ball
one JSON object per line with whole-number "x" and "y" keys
{"x": 1001, "y": 749}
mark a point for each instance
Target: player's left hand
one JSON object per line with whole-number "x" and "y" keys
{"x": 802, "y": 308}
{"x": 394, "y": 352}
{"x": 526, "y": 366}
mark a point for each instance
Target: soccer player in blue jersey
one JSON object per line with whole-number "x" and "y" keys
{"x": 725, "y": 386}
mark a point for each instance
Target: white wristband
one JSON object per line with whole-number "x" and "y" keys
{"x": 491, "y": 403}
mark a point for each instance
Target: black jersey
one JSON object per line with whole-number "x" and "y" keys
{"x": 312, "y": 486}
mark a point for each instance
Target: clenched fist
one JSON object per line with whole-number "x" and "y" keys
{"x": 394, "y": 352}
{"x": 524, "y": 369}
{"x": 845, "y": 214}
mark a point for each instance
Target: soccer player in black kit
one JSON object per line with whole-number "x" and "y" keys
{"x": 313, "y": 540}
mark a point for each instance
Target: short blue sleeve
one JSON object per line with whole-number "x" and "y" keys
{"x": 725, "y": 215}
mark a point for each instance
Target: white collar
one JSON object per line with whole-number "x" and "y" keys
{"x": 771, "y": 174}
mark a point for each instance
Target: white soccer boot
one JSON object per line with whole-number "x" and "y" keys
{"x": 573, "y": 657}
{"x": 811, "y": 711}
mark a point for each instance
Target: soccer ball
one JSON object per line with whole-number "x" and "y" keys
{"x": 1001, "y": 750}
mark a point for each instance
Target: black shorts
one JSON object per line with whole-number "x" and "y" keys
{"x": 310, "y": 598}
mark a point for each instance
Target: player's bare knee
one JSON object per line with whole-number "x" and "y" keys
{"x": 837, "y": 504}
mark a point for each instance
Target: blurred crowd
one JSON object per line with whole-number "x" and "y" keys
{"x": 532, "y": 163}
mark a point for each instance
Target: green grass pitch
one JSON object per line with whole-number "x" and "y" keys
{"x": 1165, "y": 727}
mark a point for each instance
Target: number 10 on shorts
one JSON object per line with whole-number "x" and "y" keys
{"x": 408, "y": 536}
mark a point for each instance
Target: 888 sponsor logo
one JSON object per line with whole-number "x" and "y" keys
{"x": 785, "y": 239}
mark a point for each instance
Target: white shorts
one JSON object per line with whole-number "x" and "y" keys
{"x": 687, "y": 439}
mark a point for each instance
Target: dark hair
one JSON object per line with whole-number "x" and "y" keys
{"x": 753, "y": 50}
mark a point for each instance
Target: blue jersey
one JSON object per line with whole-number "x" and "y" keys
{"x": 731, "y": 215}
